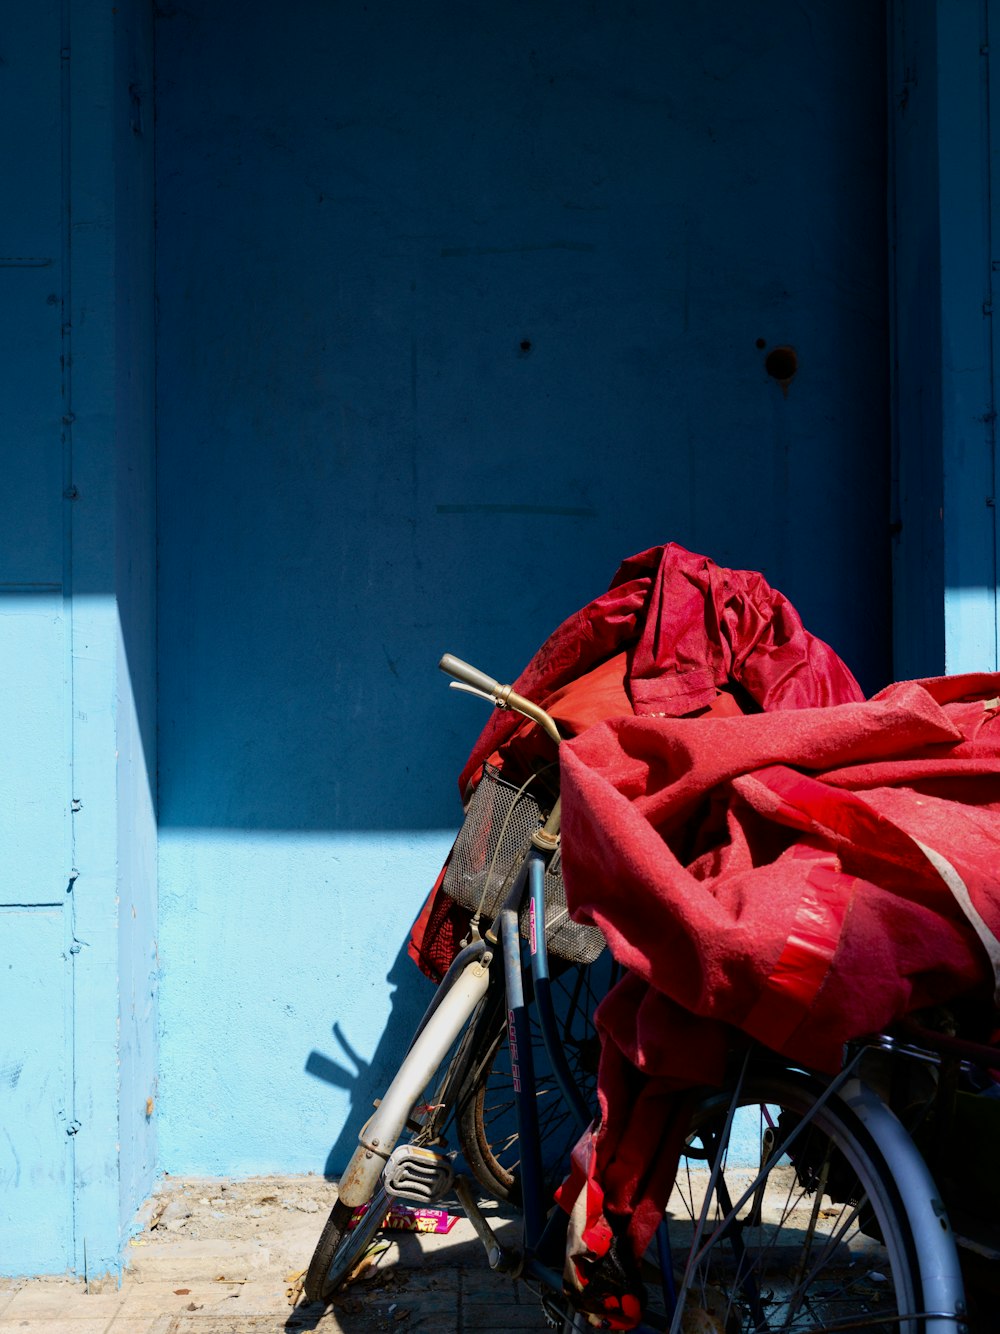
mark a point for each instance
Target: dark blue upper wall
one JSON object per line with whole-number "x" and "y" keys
{"x": 944, "y": 131}
{"x": 459, "y": 304}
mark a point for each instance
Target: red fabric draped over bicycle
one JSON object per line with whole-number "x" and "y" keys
{"x": 796, "y": 878}
{"x": 770, "y": 855}
{"x": 675, "y": 635}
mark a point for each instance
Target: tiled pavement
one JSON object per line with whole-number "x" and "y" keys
{"x": 449, "y": 1299}
{"x": 218, "y": 1284}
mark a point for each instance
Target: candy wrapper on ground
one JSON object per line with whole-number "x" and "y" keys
{"x": 402, "y": 1218}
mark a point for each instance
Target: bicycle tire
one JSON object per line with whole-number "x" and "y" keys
{"x": 340, "y": 1247}
{"x": 822, "y": 1240}
{"x": 486, "y": 1125}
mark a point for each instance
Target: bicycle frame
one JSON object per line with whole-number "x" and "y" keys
{"x": 460, "y": 991}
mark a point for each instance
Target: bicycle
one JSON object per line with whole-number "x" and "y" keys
{"x": 800, "y": 1202}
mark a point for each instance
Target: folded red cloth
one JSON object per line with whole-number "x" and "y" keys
{"x": 691, "y": 630}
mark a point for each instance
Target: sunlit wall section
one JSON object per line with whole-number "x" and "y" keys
{"x": 77, "y": 833}
{"x": 37, "y": 967}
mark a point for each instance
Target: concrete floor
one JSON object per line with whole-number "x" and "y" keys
{"x": 232, "y": 1269}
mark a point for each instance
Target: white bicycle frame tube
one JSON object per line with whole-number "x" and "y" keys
{"x": 379, "y": 1134}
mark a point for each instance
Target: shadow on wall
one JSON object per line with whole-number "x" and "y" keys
{"x": 509, "y": 293}
{"x": 365, "y": 1080}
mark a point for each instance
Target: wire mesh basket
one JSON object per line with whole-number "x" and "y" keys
{"x": 488, "y": 853}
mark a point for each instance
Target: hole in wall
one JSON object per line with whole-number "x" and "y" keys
{"x": 781, "y": 364}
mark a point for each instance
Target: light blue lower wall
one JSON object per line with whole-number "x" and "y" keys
{"x": 36, "y": 1180}
{"x": 284, "y": 996}
{"x": 138, "y": 950}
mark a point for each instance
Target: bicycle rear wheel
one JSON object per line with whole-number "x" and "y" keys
{"x": 784, "y": 1216}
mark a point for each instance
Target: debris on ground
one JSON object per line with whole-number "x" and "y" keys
{"x": 237, "y": 1210}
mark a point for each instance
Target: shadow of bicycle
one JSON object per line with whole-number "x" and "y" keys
{"x": 364, "y": 1079}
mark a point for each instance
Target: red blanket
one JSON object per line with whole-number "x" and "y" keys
{"x": 798, "y": 878}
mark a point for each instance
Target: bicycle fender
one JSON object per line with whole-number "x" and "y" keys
{"x": 937, "y": 1254}
{"x": 380, "y": 1133}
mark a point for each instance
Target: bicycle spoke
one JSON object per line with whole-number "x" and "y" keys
{"x": 785, "y": 1222}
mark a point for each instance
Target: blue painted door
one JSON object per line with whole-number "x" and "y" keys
{"x": 459, "y": 305}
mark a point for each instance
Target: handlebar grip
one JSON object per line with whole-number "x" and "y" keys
{"x": 469, "y": 675}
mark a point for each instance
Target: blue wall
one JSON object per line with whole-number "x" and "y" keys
{"x": 944, "y": 130}
{"x": 135, "y": 584}
{"x": 36, "y": 972}
{"x": 458, "y": 305}
{"x": 77, "y": 713}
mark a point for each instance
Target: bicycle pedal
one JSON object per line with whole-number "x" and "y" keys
{"x": 417, "y": 1174}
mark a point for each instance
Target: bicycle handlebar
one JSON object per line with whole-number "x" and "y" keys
{"x": 504, "y": 697}
{"x": 470, "y": 676}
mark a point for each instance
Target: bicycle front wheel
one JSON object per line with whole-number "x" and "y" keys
{"x": 784, "y": 1216}
{"x": 341, "y": 1247}
{"x": 345, "y": 1239}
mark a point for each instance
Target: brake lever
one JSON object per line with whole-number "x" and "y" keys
{"x": 473, "y": 690}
